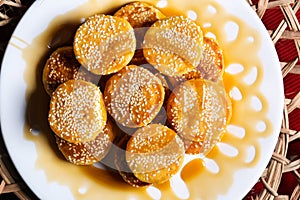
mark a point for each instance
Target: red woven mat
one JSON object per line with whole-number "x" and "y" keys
{"x": 273, "y": 14}
{"x": 285, "y": 163}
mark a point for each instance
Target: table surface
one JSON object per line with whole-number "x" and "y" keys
{"x": 272, "y": 15}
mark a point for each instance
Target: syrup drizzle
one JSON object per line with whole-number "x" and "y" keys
{"x": 199, "y": 177}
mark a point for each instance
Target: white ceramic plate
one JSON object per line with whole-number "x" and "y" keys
{"x": 18, "y": 81}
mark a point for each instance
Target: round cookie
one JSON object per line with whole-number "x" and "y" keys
{"x": 197, "y": 111}
{"x": 173, "y": 45}
{"x": 134, "y": 96}
{"x": 62, "y": 66}
{"x": 154, "y": 153}
{"x": 88, "y": 153}
{"x": 195, "y": 147}
{"x": 122, "y": 167}
{"x": 140, "y": 15}
{"x": 211, "y": 65}
{"x": 77, "y": 112}
{"x": 104, "y": 44}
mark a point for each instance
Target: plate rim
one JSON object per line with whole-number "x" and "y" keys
{"x": 37, "y": 3}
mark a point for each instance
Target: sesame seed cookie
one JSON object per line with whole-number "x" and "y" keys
{"x": 211, "y": 65}
{"x": 122, "y": 167}
{"x": 196, "y": 110}
{"x": 104, "y": 44}
{"x": 77, "y": 112}
{"x": 62, "y": 66}
{"x": 134, "y": 96}
{"x": 140, "y": 15}
{"x": 88, "y": 153}
{"x": 173, "y": 45}
{"x": 155, "y": 153}
{"x": 195, "y": 147}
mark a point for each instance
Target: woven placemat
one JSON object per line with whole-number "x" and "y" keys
{"x": 281, "y": 179}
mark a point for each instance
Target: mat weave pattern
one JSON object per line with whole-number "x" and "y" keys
{"x": 281, "y": 178}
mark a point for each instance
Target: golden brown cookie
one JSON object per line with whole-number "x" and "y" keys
{"x": 134, "y": 96}
{"x": 77, "y": 112}
{"x": 195, "y": 147}
{"x": 122, "y": 167}
{"x": 140, "y": 15}
{"x": 62, "y": 66}
{"x": 197, "y": 111}
{"x": 173, "y": 45}
{"x": 211, "y": 65}
{"x": 155, "y": 153}
{"x": 88, "y": 153}
{"x": 104, "y": 44}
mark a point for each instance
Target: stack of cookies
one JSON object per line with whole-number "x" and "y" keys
{"x": 157, "y": 77}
